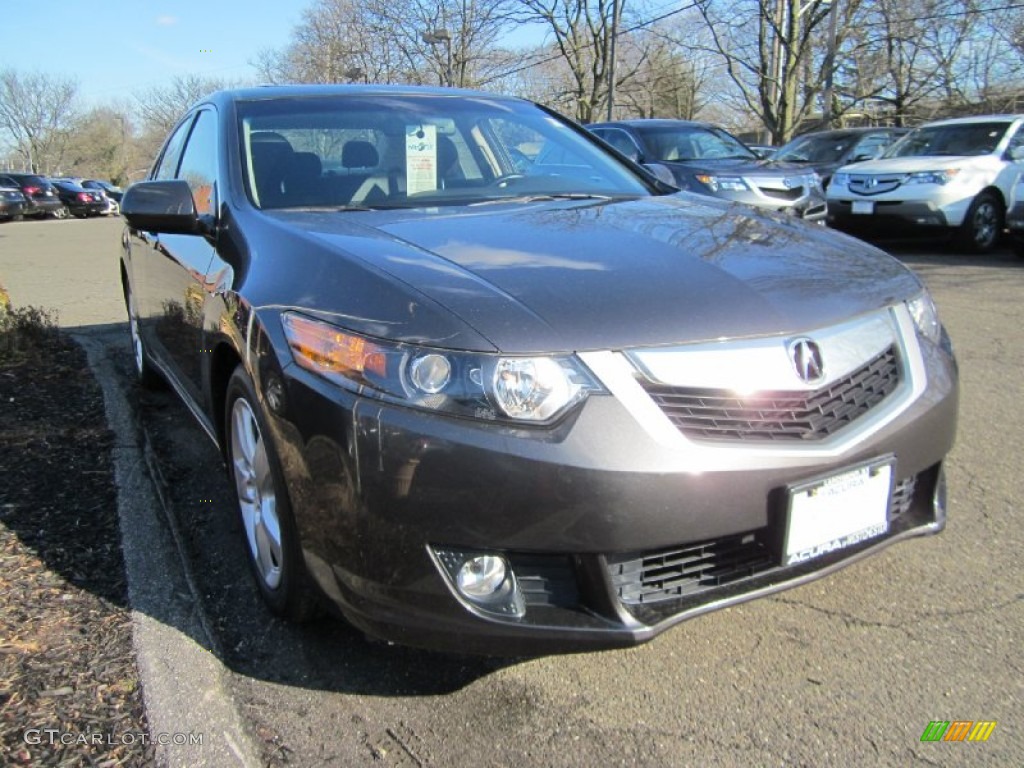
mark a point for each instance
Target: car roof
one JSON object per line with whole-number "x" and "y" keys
{"x": 974, "y": 119}
{"x": 852, "y": 131}
{"x": 267, "y": 92}
{"x": 650, "y": 122}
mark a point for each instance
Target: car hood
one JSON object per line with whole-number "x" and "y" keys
{"x": 914, "y": 164}
{"x": 533, "y": 277}
{"x": 739, "y": 167}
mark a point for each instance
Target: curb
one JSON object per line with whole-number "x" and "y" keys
{"x": 192, "y": 720}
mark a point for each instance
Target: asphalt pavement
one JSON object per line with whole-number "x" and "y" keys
{"x": 849, "y": 670}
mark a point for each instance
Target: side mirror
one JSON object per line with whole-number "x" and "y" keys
{"x": 868, "y": 155}
{"x": 161, "y": 206}
{"x": 662, "y": 174}
{"x": 1017, "y": 154}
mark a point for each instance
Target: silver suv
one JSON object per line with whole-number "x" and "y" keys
{"x": 948, "y": 175}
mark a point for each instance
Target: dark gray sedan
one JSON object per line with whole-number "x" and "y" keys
{"x": 482, "y": 385}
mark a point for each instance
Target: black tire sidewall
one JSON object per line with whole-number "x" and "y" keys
{"x": 145, "y": 374}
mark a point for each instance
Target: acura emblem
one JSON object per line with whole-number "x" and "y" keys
{"x": 807, "y": 360}
{"x": 870, "y": 182}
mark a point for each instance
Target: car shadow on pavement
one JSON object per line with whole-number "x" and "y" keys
{"x": 327, "y": 653}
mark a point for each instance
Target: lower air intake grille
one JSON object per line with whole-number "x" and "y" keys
{"x": 676, "y": 573}
{"x": 650, "y": 577}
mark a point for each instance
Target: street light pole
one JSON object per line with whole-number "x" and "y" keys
{"x": 830, "y": 63}
{"x": 611, "y": 58}
{"x": 441, "y": 35}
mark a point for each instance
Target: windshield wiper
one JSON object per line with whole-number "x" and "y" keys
{"x": 546, "y": 197}
{"x": 354, "y": 207}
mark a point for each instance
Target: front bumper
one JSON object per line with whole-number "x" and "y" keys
{"x": 895, "y": 212}
{"x": 580, "y": 511}
{"x": 809, "y": 205}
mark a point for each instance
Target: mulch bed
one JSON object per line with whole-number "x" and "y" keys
{"x": 69, "y": 689}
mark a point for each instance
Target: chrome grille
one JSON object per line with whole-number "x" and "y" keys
{"x": 873, "y": 185}
{"x": 782, "y": 194}
{"x": 722, "y": 414}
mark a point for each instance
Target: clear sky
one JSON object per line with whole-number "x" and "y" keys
{"x": 115, "y": 48}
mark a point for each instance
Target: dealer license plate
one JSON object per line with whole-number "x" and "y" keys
{"x": 863, "y": 206}
{"x": 838, "y": 511}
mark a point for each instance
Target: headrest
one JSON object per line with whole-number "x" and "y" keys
{"x": 359, "y": 154}
{"x": 307, "y": 165}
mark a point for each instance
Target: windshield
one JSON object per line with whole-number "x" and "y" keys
{"x": 693, "y": 142}
{"x": 387, "y": 150}
{"x": 953, "y": 140}
{"x": 816, "y": 149}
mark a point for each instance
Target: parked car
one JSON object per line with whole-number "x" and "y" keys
{"x": 1015, "y": 217}
{"x": 826, "y": 151}
{"x": 950, "y": 176}
{"x": 40, "y": 195}
{"x": 110, "y": 190}
{"x": 111, "y": 194}
{"x": 706, "y": 159}
{"x": 81, "y": 202}
{"x": 12, "y": 202}
{"x": 505, "y": 410}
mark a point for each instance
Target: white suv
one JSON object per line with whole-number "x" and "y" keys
{"x": 957, "y": 174}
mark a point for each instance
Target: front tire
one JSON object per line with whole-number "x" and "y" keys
{"x": 271, "y": 537}
{"x": 983, "y": 224}
{"x": 145, "y": 374}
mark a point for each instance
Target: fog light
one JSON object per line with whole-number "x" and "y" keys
{"x": 486, "y": 581}
{"x": 481, "y": 577}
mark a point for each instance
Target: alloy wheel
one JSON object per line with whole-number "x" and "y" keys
{"x": 257, "y": 497}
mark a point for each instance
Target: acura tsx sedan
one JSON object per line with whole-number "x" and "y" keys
{"x": 483, "y": 385}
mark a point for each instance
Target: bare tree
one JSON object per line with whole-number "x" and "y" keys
{"x": 101, "y": 145}
{"x": 583, "y": 32}
{"x": 456, "y": 42}
{"x": 36, "y": 111}
{"x": 774, "y": 54}
{"x": 160, "y": 108}
{"x": 659, "y": 77}
{"x": 905, "y": 56}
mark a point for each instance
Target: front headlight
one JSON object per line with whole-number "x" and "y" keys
{"x": 535, "y": 389}
{"x": 722, "y": 183}
{"x": 933, "y": 177}
{"x": 926, "y": 317}
{"x": 840, "y": 179}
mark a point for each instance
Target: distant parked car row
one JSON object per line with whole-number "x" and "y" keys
{"x": 963, "y": 177}
{"x": 708, "y": 160}
{"x": 29, "y": 194}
